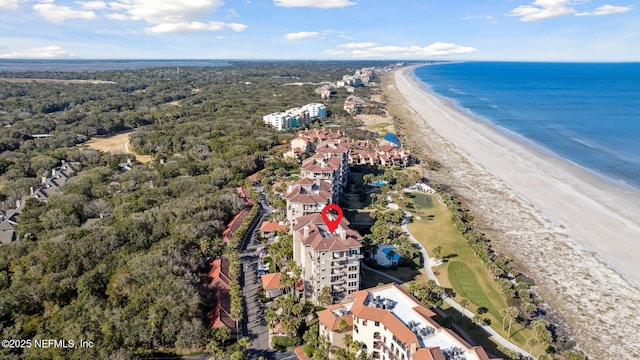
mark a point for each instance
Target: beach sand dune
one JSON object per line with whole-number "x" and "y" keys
{"x": 576, "y": 234}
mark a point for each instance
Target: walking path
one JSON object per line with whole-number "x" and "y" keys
{"x": 427, "y": 267}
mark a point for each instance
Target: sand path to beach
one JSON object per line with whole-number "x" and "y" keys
{"x": 570, "y": 230}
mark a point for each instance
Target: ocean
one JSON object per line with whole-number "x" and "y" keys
{"x": 586, "y": 113}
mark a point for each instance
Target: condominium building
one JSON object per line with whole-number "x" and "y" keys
{"x": 336, "y": 149}
{"x": 282, "y": 120}
{"x": 392, "y": 325}
{"x": 328, "y": 259}
{"x": 319, "y": 167}
{"x": 307, "y": 196}
{"x": 316, "y": 110}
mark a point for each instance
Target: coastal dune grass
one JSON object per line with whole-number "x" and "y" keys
{"x": 462, "y": 271}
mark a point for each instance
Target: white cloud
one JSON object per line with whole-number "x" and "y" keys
{"x": 357, "y": 45}
{"x": 58, "y": 14}
{"x": 606, "y": 10}
{"x": 9, "y": 4}
{"x": 546, "y": 9}
{"x": 542, "y": 9}
{"x": 301, "y": 35}
{"x": 323, "y": 4}
{"x": 165, "y": 11}
{"x": 47, "y": 52}
{"x": 171, "y": 16}
{"x": 435, "y": 49}
{"x": 237, "y": 27}
{"x": 193, "y": 27}
{"x": 93, "y": 5}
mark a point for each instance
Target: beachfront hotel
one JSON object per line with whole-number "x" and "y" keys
{"x": 327, "y": 258}
{"x": 390, "y": 324}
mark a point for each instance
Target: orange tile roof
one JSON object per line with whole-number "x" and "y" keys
{"x": 330, "y": 320}
{"x": 273, "y": 226}
{"x": 271, "y": 281}
{"x": 395, "y": 325}
{"x": 234, "y": 224}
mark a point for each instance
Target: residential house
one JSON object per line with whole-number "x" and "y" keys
{"x": 391, "y": 324}
{"x": 353, "y": 105}
{"x": 270, "y": 284}
{"x": 327, "y": 259}
{"x": 269, "y": 229}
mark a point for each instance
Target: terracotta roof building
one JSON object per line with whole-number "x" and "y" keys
{"x": 307, "y": 196}
{"x": 338, "y": 149}
{"x": 270, "y": 228}
{"x": 327, "y": 258}
{"x": 392, "y": 324}
{"x": 318, "y": 167}
{"x": 219, "y": 283}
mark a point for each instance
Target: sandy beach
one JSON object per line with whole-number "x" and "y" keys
{"x": 576, "y": 234}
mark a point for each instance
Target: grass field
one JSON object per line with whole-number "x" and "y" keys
{"x": 461, "y": 270}
{"x": 116, "y": 144}
{"x": 420, "y": 199}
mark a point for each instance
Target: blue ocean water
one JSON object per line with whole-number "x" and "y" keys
{"x": 587, "y": 113}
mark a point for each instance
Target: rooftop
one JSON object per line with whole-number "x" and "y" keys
{"x": 407, "y": 319}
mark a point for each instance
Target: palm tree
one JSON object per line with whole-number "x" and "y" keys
{"x": 503, "y": 313}
{"x": 463, "y": 302}
{"x": 512, "y": 313}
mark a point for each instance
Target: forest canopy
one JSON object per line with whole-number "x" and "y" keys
{"x": 134, "y": 281}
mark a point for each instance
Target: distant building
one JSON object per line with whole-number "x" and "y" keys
{"x": 282, "y": 120}
{"x": 353, "y": 105}
{"x": 391, "y": 324}
{"x": 326, "y": 258}
{"x": 316, "y": 110}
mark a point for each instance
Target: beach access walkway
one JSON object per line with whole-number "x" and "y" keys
{"x": 467, "y": 313}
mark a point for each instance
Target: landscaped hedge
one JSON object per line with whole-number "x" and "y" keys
{"x": 283, "y": 342}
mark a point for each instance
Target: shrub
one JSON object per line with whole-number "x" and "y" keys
{"x": 284, "y": 342}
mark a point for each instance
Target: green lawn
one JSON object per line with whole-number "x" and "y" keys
{"x": 461, "y": 270}
{"x": 421, "y": 199}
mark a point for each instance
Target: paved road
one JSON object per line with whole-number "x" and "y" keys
{"x": 254, "y": 326}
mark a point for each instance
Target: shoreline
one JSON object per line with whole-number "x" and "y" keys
{"x": 565, "y": 226}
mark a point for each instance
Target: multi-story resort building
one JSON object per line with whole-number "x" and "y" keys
{"x": 308, "y": 196}
{"x": 282, "y": 120}
{"x": 328, "y": 259}
{"x": 337, "y": 149}
{"x": 295, "y": 117}
{"x": 319, "y": 167}
{"x": 316, "y": 110}
{"x": 392, "y": 325}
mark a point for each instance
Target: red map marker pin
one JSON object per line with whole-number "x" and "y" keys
{"x": 332, "y": 224}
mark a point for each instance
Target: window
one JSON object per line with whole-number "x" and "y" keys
{"x": 353, "y": 276}
{"x": 355, "y": 251}
{"x": 353, "y": 283}
{"x": 335, "y": 278}
{"x": 377, "y": 323}
{"x": 364, "y": 322}
{"x": 353, "y": 268}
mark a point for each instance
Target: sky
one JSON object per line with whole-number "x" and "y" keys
{"x": 503, "y": 30}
